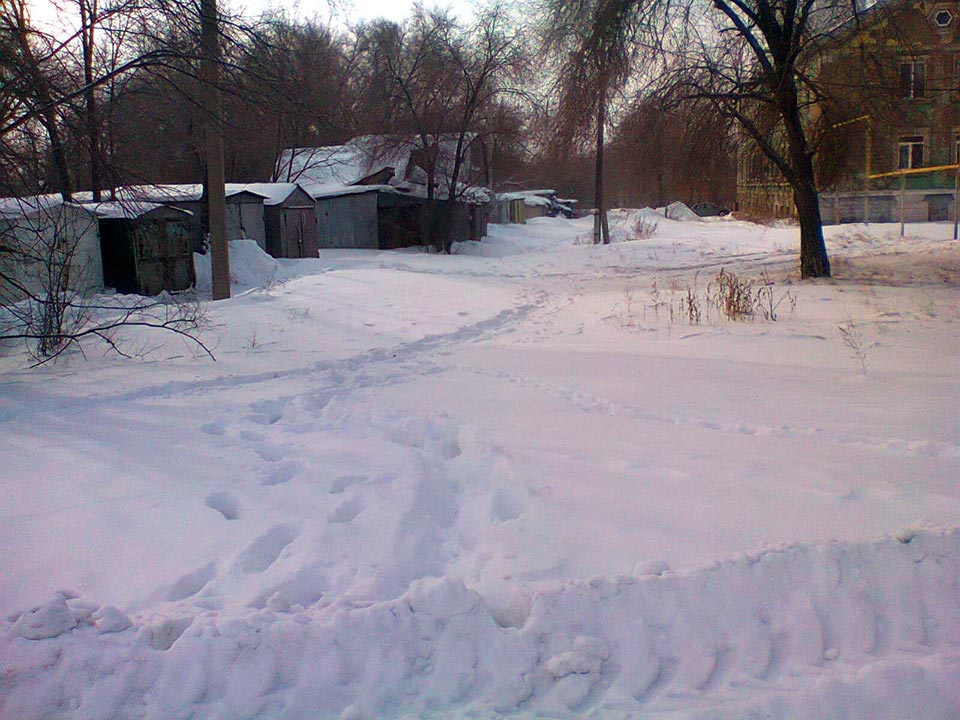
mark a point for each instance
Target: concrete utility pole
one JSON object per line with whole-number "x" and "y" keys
{"x": 216, "y": 200}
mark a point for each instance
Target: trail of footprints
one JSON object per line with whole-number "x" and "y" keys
{"x": 795, "y": 640}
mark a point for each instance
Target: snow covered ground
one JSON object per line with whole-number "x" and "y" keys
{"x": 512, "y": 482}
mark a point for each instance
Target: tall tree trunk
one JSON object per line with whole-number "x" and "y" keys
{"x": 450, "y": 209}
{"x": 88, "y": 18}
{"x": 48, "y": 116}
{"x": 813, "y": 251}
{"x": 428, "y": 221}
{"x": 601, "y": 231}
{"x": 215, "y": 180}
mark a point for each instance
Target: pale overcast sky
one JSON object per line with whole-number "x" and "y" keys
{"x": 349, "y": 11}
{"x": 345, "y": 12}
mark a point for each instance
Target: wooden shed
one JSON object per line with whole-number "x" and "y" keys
{"x": 145, "y": 247}
{"x": 347, "y": 217}
{"x": 45, "y": 239}
{"x": 290, "y": 220}
{"x": 507, "y": 208}
{"x": 245, "y": 216}
{"x": 244, "y": 209}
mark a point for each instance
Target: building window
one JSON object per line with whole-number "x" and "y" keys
{"x": 911, "y": 152}
{"x": 913, "y": 79}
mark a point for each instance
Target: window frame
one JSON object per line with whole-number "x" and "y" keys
{"x": 908, "y": 85}
{"x": 910, "y": 143}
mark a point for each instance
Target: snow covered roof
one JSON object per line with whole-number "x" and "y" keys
{"x": 346, "y": 164}
{"x": 180, "y": 192}
{"x": 18, "y": 207}
{"x": 467, "y": 194}
{"x": 273, "y": 193}
{"x": 22, "y": 206}
{"x": 318, "y": 192}
{"x": 363, "y": 156}
{"x": 129, "y": 209}
{"x": 161, "y": 193}
{"x": 336, "y": 165}
{"x": 524, "y": 195}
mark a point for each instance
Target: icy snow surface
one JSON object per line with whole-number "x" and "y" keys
{"x": 511, "y": 482}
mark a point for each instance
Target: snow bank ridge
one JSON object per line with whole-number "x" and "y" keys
{"x": 883, "y": 615}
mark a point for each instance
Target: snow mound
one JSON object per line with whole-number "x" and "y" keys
{"x": 854, "y": 630}
{"x": 250, "y": 267}
{"x": 49, "y": 620}
{"x": 678, "y": 211}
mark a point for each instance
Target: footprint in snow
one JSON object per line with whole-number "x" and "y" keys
{"x": 348, "y": 510}
{"x": 192, "y": 583}
{"x": 345, "y": 481}
{"x": 217, "y": 427}
{"x": 281, "y": 473}
{"x": 224, "y": 503}
{"x": 269, "y": 453}
{"x": 264, "y": 551}
{"x": 268, "y": 412}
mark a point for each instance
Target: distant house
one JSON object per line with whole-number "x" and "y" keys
{"x": 387, "y": 160}
{"x": 506, "y": 209}
{"x": 44, "y": 240}
{"x": 372, "y": 191}
{"x": 358, "y": 162}
{"x": 898, "y": 110}
{"x": 145, "y": 247}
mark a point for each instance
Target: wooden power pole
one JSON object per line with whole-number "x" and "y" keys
{"x": 216, "y": 200}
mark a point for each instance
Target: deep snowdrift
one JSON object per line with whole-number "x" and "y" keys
{"x": 853, "y": 630}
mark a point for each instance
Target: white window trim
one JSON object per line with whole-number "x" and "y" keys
{"x": 949, "y": 22}
{"x": 910, "y": 141}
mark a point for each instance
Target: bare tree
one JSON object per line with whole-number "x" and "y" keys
{"x": 295, "y": 90}
{"x": 51, "y": 101}
{"x": 599, "y": 43}
{"x": 441, "y": 83}
{"x": 755, "y": 60}
{"x": 32, "y": 62}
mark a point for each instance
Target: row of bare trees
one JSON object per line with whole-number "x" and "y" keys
{"x": 651, "y": 88}
{"x": 120, "y": 100}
